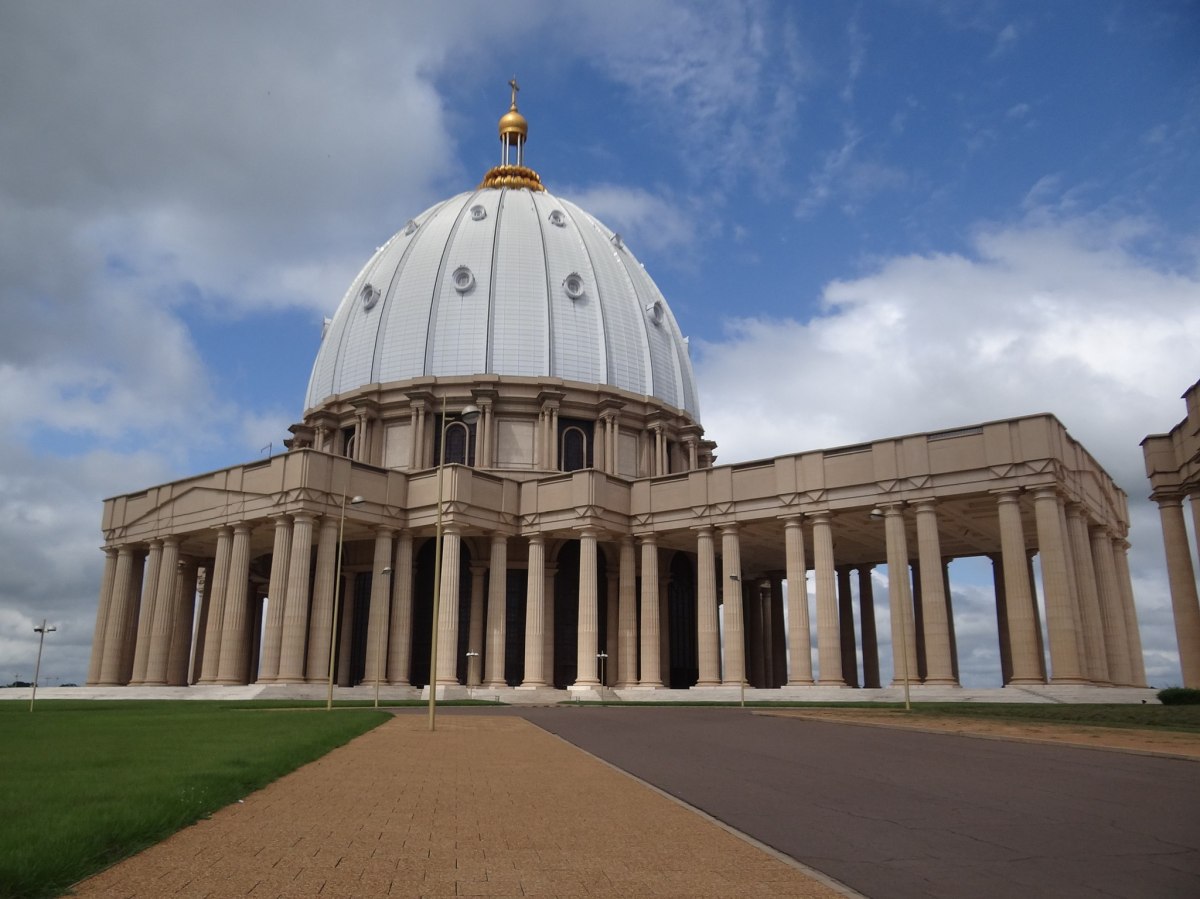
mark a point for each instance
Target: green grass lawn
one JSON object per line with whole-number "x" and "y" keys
{"x": 85, "y": 783}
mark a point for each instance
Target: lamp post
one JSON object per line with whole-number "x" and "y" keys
{"x": 469, "y": 415}
{"x": 41, "y": 632}
{"x": 380, "y": 661}
{"x": 337, "y": 595}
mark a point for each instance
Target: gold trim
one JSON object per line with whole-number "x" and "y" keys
{"x": 514, "y": 176}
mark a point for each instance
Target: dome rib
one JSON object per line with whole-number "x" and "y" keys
{"x": 435, "y": 340}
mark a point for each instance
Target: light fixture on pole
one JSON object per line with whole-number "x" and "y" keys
{"x": 380, "y": 661}
{"x": 41, "y": 632}
{"x": 337, "y": 595}
{"x": 469, "y": 415}
{"x": 603, "y": 657}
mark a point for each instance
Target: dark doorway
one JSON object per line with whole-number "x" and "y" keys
{"x": 422, "y": 612}
{"x": 681, "y": 615}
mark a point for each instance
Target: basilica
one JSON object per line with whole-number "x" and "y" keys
{"x": 501, "y": 482}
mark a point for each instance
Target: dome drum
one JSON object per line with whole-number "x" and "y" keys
{"x": 522, "y": 430}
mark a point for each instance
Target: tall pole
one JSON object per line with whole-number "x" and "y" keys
{"x": 437, "y": 572}
{"x": 337, "y": 595}
{"x": 41, "y": 631}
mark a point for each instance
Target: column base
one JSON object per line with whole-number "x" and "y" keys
{"x": 940, "y": 682}
{"x": 838, "y": 683}
{"x": 531, "y": 685}
{"x": 652, "y": 685}
{"x": 801, "y": 683}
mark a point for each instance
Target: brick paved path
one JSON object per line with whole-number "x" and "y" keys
{"x": 485, "y": 806}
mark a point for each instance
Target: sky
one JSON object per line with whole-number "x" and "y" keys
{"x": 871, "y": 218}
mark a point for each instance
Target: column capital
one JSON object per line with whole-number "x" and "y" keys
{"x": 928, "y": 504}
{"x": 731, "y": 529}
{"x": 793, "y": 520}
{"x": 703, "y": 529}
{"x": 648, "y": 538}
{"x": 1007, "y": 494}
{"x": 1167, "y": 500}
{"x": 383, "y": 530}
{"x": 893, "y": 509}
{"x": 280, "y": 518}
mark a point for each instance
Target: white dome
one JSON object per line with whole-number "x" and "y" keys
{"x": 507, "y": 282}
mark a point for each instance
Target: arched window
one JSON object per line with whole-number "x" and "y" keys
{"x": 457, "y": 440}
{"x": 348, "y": 442}
{"x": 574, "y": 449}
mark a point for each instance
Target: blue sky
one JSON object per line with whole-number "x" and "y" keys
{"x": 876, "y": 217}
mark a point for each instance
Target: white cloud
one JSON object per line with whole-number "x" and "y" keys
{"x": 650, "y": 222}
{"x": 1058, "y": 316}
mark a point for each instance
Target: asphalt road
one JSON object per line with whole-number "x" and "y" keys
{"x": 898, "y": 814}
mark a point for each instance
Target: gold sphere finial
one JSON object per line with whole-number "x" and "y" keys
{"x": 512, "y": 122}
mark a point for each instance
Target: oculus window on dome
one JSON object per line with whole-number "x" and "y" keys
{"x": 369, "y": 296}
{"x": 573, "y": 285}
{"x": 557, "y": 219}
{"x": 478, "y": 213}
{"x": 464, "y": 279}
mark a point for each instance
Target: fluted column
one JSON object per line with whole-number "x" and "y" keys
{"x": 800, "y": 671}
{"x": 1088, "y": 594}
{"x": 475, "y": 627}
{"x": 235, "y": 635}
{"x": 588, "y": 631}
{"x": 752, "y": 616}
{"x": 1060, "y": 616}
{"x": 627, "y": 656}
{"x": 130, "y": 637}
{"x": 179, "y": 657}
{"x": 205, "y": 600}
{"x": 708, "y": 634}
{"x": 377, "y": 618}
{"x": 163, "y": 626}
{"x": 1137, "y": 665}
{"x": 548, "y": 647}
{"x": 535, "y": 614}
{"x": 734, "y": 669}
{"x": 846, "y": 636}
{"x": 447, "y": 663}
{"x": 96, "y": 659}
{"x": 145, "y": 624}
{"x": 651, "y": 672}
{"x": 939, "y": 665}
{"x": 612, "y": 606}
{"x": 904, "y": 641}
{"x": 400, "y": 640}
{"x": 294, "y": 626}
{"x": 1021, "y": 613}
{"x": 1181, "y": 577}
{"x": 1116, "y": 641}
{"x": 213, "y": 631}
{"x": 497, "y": 611}
{"x": 117, "y": 620}
{"x": 277, "y": 588}
{"x": 829, "y": 639}
{"x": 343, "y": 674}
{"x": 870, "y": 638}
{"x": 320, "y": 624}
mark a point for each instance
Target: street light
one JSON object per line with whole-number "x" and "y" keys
{"x": 380, "y": 661}
{"x": 603, "y": 657}
{"x": 469, "y": 415}
{"x": 337, "y": 595}
{"x": 41, "y": 632}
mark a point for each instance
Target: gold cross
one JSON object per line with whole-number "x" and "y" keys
{"x": 515, "y": 87}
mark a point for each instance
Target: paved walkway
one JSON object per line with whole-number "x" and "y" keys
{"x": 485, "y": 806}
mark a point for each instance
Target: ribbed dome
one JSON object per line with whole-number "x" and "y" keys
{"x": 506, "y": 282}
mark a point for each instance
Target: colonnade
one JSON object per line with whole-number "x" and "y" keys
{"x": 144, "y": 633}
